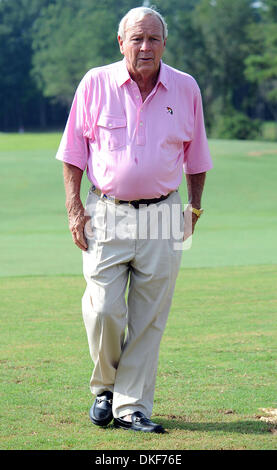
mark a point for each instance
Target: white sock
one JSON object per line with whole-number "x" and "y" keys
{"x": 127, "y": 418}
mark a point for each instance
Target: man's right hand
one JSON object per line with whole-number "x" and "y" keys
{"x": 77, "y": 221}
{"x": 75, "y": 209}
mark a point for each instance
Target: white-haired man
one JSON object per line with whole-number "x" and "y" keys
{"x": 134, "y": 125}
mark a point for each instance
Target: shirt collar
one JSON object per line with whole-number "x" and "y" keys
{"x": 123, "y": 75}
{"x": 163, "y": 76}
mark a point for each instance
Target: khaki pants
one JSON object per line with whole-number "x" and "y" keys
{"x": 124, "y": 334}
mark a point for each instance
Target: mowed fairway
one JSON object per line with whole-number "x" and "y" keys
{"x": 217, "y": 368}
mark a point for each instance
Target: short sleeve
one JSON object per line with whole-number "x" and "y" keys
{"x": 73, "y": 147}
{"x": 197, "y": 158}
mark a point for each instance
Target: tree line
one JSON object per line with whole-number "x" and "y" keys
{"x": 230, "y": 47}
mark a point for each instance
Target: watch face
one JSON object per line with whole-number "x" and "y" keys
{"x": 197, "y": 211}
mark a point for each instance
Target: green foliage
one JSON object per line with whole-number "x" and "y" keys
{"x": 20, "y": 98}
{"x": 70, "y": 38}
{"x": 271, "y": 9}
{"x": 186, "y": 49}
{"x": 183, "y": 40}
{"x": 261, "y": 66}
{"x": 209, "y": 40}
{"x": 46, "y": 46}
{"x": 223, "y": 26}
{"x": 237, "y": 125}
{"x": 15, "y": 58}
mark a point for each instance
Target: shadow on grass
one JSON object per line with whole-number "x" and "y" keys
{"x": 242, "y": 427}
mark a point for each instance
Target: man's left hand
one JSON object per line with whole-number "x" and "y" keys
{"x": 190, "y": 220}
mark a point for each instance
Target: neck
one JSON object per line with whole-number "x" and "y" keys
{"x": 146, "y": 84}
{"x": 145, "y": 81}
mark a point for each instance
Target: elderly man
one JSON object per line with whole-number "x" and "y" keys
{"x": 135, "y": 125}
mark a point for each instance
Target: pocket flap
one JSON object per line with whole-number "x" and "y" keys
{"x": 111, "y": 122}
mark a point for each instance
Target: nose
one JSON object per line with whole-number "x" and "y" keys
{"x": 145, "y": 45}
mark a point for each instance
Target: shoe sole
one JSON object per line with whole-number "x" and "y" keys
{"x": 130, "y": 428}
{"x": 101, "y": 423}
{"x": 121, "y": 426}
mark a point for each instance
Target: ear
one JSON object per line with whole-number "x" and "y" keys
{"x": 120, "y": 42}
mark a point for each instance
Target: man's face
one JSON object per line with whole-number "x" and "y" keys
{"x": 143, "y": 45}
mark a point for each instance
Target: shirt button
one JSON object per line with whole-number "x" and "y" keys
{"x": 141, "y": 123}
{"x": 137, "y": 96}
{"x": 110, "y": 124}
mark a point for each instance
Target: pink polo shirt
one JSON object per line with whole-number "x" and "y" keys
{"x": 130, "y": 148}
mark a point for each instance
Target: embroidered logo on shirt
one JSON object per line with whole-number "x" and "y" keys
{"x": 169, "y": 110}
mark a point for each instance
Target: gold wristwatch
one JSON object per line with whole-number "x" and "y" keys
{"x": 197, "y": 212}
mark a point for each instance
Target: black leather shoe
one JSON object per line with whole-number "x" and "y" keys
{"x": 139, "y": 423}
{"x": 101, "y": 410}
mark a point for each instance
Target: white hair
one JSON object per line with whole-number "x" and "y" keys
{"x": 137, "y": 14}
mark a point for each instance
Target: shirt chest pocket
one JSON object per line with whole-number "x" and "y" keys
{"x": 112, "y": 131}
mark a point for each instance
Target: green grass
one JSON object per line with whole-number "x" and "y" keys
{"x": 238, "y": 227}
{"x": 217, "y": 365}
{"x": 217, "y": 355}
